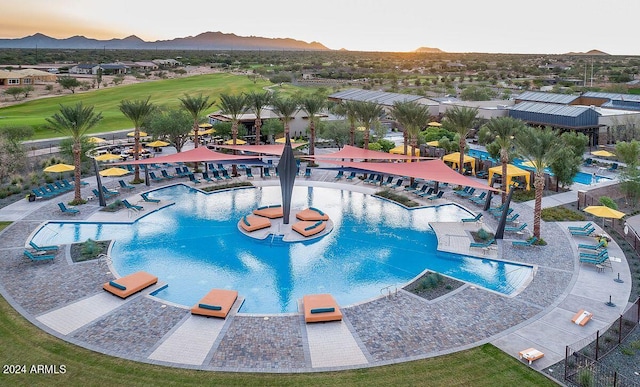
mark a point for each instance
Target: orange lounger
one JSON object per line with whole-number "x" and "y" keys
{"x": 217, "y": 303}
{"x": 531, "y": 354}
{"x": 271, "y": 212}
{"x": 320, "y": 308}
{"x": 582, "y": 317}
{"x": 308, "y": 228}
{"x": 125, "y": 286}
{"x": 312, "y": 214}
{"x": 252, "y": 223}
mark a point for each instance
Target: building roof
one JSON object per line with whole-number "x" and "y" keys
{"x": 550, "y": 108}
{"x": 379, "y": 97}
{"x": 539, "y": 96}
{"x": 612, "y": 96}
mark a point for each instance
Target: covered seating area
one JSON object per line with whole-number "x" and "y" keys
{"x": 454, "y": 160}
{"x": 513, "y": 172}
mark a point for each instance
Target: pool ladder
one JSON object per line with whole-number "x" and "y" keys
{"x": 387, "y": 291}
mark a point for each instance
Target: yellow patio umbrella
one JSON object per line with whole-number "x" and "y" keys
{"x": 282, "y": 140}
{"x": 202, "y": 132}
{"x": 132, "y": 134}
{"x": 59, "y": 168}
{"x": 108, "y": 157}
{"x": 602, "y": 153}
{"x": 361, "y": 128}
{"x": 528, "y": 164}
{"x": 205, "y": 126}
{"x": 238, "y": 142}
{"x": 604, "y": 212}
{"x": 157, "y": 144}
{"x": 96, "y": 140}
{"x": 114, "y": 172}
{"x": 435, "y": 124}
{"x": 433, "y": 143}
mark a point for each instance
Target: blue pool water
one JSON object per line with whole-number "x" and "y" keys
{"x": 580, "y": 177}
{"x": 195, "y": 246}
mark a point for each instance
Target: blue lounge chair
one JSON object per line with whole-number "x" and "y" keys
{"x": 602, "y": 253}
{"x": 225, "y": 174}
{"x": 591, "y": 247}
{"x": 580, "y": 228}
{"x": 436, "y": 196}
{"x": 67, "y": 210}
{"x": 153, "y": 177}
{"x": 351, "y": 176}
{"x": 43, "y": 248}
{"x": 479, "y": 198}
{"x": 193, "y": 179}
{"x": 426, "y": 193}
{"x": 109, "y": 192}
{"x": 482, "y": 245}
{"x": 613, "y": 167}
{"x": 339, "y": 175}
{"x": 205, "y": 177}
{"x": 411, "y": 187}
{"x": 424, "y": 188}
{"x": 38, "y": 257}
{"x": 61, "y": 187}
{"x": 125, "y": 185}
{"x": 146, "y": 198}
{"x": 387, "y": 182}
{"x": 530, "y": 242}
{"x": 515, "y": 229}
{"x": 216, "y": 175}
{"x": 249, "y": 173}
{"x": 586, "y": 232}
{"x": 267, "y": 172}
{"x": 179, "y": 172}
{"x": 132, "y": 206}
{"x": 474, "y": 219}
{"x": 166, "y": 174}
{"x": 588, "y": 162}
{"x": 398, "y": 184}
{"x": 512, "y": 218}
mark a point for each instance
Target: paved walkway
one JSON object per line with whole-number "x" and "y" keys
{"x": 66, "y": 300}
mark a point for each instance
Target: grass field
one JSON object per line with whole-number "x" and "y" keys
{"x": 106, "y": 101}
{"x": 24, "y": 344}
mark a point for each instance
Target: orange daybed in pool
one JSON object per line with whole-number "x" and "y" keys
{"x": 320, "y": 308}
{"x": 308, "y": 228}
{"x": 217, "y": 303}
{"x": 312, "y": 214}
{"x": 125, "y": 286}
{"x": 271, "y": 212}
{"x": 252, "y": 223}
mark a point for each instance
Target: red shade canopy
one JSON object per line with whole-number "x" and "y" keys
{"x": 351, "y": 152}
{"x": 190, "y": 156}
{"x": 434, "y": 170}
{"x": 269, "y": 149}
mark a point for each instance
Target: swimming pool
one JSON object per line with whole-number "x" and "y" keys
{"x": 580, "y": 177}
{"x": 194, "y": 246}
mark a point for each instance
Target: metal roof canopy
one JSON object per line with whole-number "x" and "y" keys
{"x": 541, "y": 96}
{"x": 380, "y": 97}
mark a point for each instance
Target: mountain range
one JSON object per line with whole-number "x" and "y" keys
{"x": 203, "y": 41}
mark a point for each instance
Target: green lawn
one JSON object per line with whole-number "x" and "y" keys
{"x": 21, "y": 343}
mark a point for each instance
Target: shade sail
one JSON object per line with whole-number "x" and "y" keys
{"x": 434, "y": 170}
{"x": 275, "y": 149}
{"x": 352, "y": 152}
{"x": 190, "y": 156}
{"x": 454, "y": 159}
{"x": 512, "y": 172}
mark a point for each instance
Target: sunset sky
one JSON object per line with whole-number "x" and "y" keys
{"x": 495, "y": 26}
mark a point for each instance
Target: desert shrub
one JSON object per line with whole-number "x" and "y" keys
{"x": 90, "y": 249}
{"x": 558, "y": 214}
{"x": 608, "y": 202}
{"x": 483, "y": 234}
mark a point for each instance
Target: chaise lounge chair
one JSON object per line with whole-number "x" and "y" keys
{"x": 272, "y": 212}
{"x": 125, "y": 185}
{"x": 339, "y": 175}
{"x": 436, "y": 196}
{"x": 515, "y": 229}
{"x": 145, "y": 197}
{"x": 580, "y": 228}
{"x": 529, "y": 242}
{"x": 216, "y": 303}
{"x": 582, "y": 317}
{"x": 591, "y": 247}
{"x": 125, "y": 286}
{"x": 483, "y": 245}
{"x": 474, "y": 219}
{"x": 39, "y": 257}
{"x": 132, "y": 206}
{"x": 309, "y": 228}
{"x": 42, "y": 248}
{"x": 312, "y": 214}
{"x": 320, "y": 308}
{"x": 587, "y": 232}
{"x": 252, "y": 223}
{"x": 67, "y": 210}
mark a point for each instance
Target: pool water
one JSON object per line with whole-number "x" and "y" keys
{"x": 580, "y": 177}
{"x": 195, "y": 246}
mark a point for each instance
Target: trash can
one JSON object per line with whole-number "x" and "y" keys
{"x": 31, "y": 197}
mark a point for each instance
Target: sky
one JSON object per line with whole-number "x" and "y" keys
{"x": 489, "y": 26}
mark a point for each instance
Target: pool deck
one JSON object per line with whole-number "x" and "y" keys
{"x": 67, "y": 300}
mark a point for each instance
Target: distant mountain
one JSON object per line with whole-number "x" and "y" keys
{"x": 429, "y": 50}
{"x": 204, "y": 41}
{"x": 591, "y": 52}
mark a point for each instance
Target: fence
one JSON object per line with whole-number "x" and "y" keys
{"x": 581, "y": 364}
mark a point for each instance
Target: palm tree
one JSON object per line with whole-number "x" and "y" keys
{"x": 196, "y": 106}
{"x": 541, "y": 147}
{"x": 347, "y": 109}
{"x": 138, "y": 112}
{"x": 312, "y": 105}
{"x": 75, "y": 121}
{"x": 412, "y": 116}
{"x": 285, "y": 108}
{"x": 233, "y": 106}
{"x": 499, "y": 133}
{"x": 256, "y": 102}
{"x": 368, "y": 113}
{"x": 460, "y": 120}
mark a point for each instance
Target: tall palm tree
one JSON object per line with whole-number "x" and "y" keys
{"x": 285, "y": 108}
{"x": 75, "y": 121}
{"x": 138, "y": 112}
{"x": 347, "y": 110}
{"x": 460, "y": 120}
{"x": 256, "y": 102}
{"x": 196, "y": 106}
{"x": 312, "y": 105}
{"x": 233, "y": 106}
{"x": 499, "y": 133}
{"x": 541, "y": 147}
{"x": 412, "y": 116}
{"x": 368, "y": 113}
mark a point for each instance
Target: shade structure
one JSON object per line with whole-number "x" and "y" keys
{"x": 454, "y": 159}
{"x": 132, "y": 134}
{"x": 108, "y": 157}
{"x": 238, "y": 142}
{"x": 267, "y": 149}
{"x": 512, "y": 172}
{"x": 604, "y": 212}
{"x": 352, "y": 152}
{"x": 435, "y": 124}
{"x": 202, "y": 132}
{"x": 114, "y": 172}
{"x": 602, "y": 153}
{"x": 399, "y": 150}
{"x": 433, "y": 143}
{"x": 59, "y": 168}
{"x": 205, "y": 125}
{"x": 434, "y": 170}
{"x": 191, "y": 156}
{"x": 158, "y": 144}
{"x": 96, "y": 140}
{"x": 282, "y": 140}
